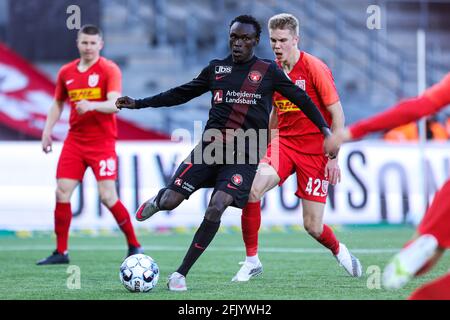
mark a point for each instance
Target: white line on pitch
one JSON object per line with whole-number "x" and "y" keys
{"x": 178, "y": 248}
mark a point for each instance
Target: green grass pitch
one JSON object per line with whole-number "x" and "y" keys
{"x": 295, "y": 267}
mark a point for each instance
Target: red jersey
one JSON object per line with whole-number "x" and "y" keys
{"x": 93, "y": 84}
{"x": 431, "y": 101}
{"x": 313, "y": 76}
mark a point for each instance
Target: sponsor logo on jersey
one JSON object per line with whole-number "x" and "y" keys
{"x": 285, "y": 106}
{"x": 242, "y": 97}
{"x": 218, "y": 96}
{"x": 255, "y": 76}
{"x": 93, "y": 80}
{"x": 301, "y": 84}
{"x": 237, "y": 179}
{"x": 223, "y": 69}
{"x": 85, "y": 94}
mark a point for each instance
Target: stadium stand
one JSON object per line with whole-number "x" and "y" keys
{"x": 160, "y": 44}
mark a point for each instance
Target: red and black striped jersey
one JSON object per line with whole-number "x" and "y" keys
{"x": 241, "y": 94}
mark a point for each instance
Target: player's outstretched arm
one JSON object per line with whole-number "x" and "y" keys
{"x": 408, "y": 110}
{"x": 172, "y": 97}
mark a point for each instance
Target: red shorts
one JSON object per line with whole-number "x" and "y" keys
{"x": 437, "y": 218}
{"x": 310, "y": 169}
{"x": 76, "y": 157}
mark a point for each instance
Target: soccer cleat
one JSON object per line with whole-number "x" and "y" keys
{"x": 147, "y": 209}
{"x": 55, "y": 258}
{"x": 247, "y": 271}
{"x": 404, "y": 265}
{"x": 177, "y": 282}
{"x": 134, "y": 250}
{"x": 350, "y": 263}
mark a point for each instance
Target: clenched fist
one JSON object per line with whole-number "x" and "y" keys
{"x": 125, "y": 103}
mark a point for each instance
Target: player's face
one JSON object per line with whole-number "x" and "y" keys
{"x": 284, "y": 43}
{"x": 242, "y": 40}
{"x": 89, "y": 46}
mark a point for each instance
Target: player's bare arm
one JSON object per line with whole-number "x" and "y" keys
{"x": 332, "y": 170}
{"x": 107, "y": 106}
{"x": 53, "y": 116}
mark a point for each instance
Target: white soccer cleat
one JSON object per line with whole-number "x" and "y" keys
{"x": 247, "y": 271}
{"x": 350, "y": 263}
{"x": 147, "y": 209}
{"x": 177, "y": 282}
{"x": 405, "y": 264}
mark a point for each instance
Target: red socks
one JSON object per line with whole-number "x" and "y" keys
{"x": 63, "y": 217}
{"x": 328, "y": 239}
{"x": 438, "y": 289}
{"x": 251, "y": 222}
{"x": 122, "y": 217}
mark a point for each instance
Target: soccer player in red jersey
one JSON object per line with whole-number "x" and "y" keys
{"x": 297, "y": 147}
{"x": 433, "y": 233}
{"x": 91, "y": 84}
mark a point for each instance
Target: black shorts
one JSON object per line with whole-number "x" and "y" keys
{"x": 234, "y": 179}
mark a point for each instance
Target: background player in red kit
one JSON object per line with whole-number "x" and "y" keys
{"x": 297, "y": 147}
{"x": 433, "y": 233}
{"x": 92, "y": 84}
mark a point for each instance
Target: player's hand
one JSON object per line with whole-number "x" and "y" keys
{"x": 332, "y": 143}
{"x": 125, "y": 103}
{"x": 332, "y": 171}
{"x": 83, "y": 106}
{"x": 47, "y": 143}
{"x": 331, "y": 146}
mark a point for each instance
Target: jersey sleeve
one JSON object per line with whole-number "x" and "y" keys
{"x": 60, "y": 90}
{"x": 114, "y": 76}
{"x": 179, "y": 95}
{"x": 323, "y": 80}
{"x": 440, "y": 92}
{"x": 412, "y": 109}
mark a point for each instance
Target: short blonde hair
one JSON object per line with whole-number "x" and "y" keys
{"x": 284, "y": 21}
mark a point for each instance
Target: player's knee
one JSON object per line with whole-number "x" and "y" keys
{"x": 255, "y": 194}
{"x": 313, "y": 229}
{"x": 108, "y": 198}
{"x": 214, "y": 212}
{"x": 62, "y": 194}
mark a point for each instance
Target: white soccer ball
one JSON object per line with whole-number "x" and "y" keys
{"x": 139, "y": 273}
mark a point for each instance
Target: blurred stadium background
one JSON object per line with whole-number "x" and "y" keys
{"x": 160, "y": 44}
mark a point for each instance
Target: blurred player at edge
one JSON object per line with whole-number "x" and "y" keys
{"x": 92, "y": 84}
{"x": 297, "y": 147}
{"x": 433, "y": 234}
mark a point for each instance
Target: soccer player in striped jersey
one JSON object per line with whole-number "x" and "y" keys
{"x": 241, "y": 87}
